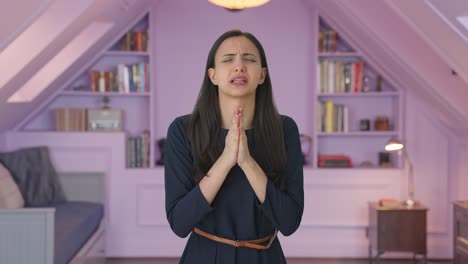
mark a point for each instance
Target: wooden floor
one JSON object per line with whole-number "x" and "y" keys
{"x": 290, "y": 261}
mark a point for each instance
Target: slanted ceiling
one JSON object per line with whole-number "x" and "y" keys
{"x": 119, "y": 13}
{"x": 409, "y": 41}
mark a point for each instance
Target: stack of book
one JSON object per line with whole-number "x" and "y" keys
{"x": 138, "y": 150}
{"x": 126, "y": 79}
{"x": 70, "y": 119}
{"x": 134, "y": 41}
{"x": 327, "y": 41}
{"x": 340, "y": 77}
{"x": 332, "y": 117}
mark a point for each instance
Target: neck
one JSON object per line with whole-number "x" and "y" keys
{"x": 228, "y": 107}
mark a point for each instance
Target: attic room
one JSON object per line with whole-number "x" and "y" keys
{"x": 89, "y": 90}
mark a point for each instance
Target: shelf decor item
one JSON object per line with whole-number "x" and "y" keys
{"x": 105, "y": 119}
{"x": 364, "y": 124}
{"x": 396, "y": 145}
{"x": 161, "y": 143}
{"x": 381, "y": 123}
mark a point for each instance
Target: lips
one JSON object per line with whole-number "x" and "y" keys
{"x": 239, "y": 80}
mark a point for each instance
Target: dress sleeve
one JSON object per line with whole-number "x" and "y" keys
{"x": 285, "y": 208}
{"x": 185, "y": 204}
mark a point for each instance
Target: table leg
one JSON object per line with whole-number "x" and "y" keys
{"x": 378, "y": 257}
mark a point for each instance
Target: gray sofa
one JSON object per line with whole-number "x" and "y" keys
{"x": 49, "y": 229}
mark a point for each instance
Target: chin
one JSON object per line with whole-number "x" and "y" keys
{"x": 238, "y": 92}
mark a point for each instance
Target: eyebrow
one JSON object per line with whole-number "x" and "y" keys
{"x": 243, "y": 54}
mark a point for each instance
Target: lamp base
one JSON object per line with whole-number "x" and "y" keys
{"x": 410, "y": 203}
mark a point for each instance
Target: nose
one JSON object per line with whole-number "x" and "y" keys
{"x": 239, "y": 67}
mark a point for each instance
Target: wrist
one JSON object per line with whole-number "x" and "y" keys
{"x": 248, "y": 163}
{"x": 225, "y": 161}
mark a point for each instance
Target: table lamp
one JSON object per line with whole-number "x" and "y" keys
{"x": 396, "y": 145}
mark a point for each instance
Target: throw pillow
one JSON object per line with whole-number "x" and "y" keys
{"x": 10, "y": 195}
{"x": 37, "y": 178}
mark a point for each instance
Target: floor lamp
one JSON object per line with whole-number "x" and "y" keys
{"x": 396, "y": 145}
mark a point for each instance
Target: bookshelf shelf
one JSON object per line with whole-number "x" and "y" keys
{"x": 359, "y": 94}
{"x": 98, "y": 94}
{"x": 126, "y": 53}
{"x": 358, "y": 134}
{"x": 338, "y": 54}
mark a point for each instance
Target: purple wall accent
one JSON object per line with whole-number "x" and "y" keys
{"x": 182, "y": 43}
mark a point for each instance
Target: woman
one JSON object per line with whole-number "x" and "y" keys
{"x": 233, "y": 168}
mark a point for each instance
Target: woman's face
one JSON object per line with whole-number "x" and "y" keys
{"x": 238, "y": 70}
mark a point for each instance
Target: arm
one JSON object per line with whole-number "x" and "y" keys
{"x": 283, "y": 208}
{"x": 211, "y": 183}
{"x": 187, "y": 203}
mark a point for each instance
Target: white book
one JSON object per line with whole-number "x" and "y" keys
{"x": 331, "y": 77}
{"x": 345, "y": 119}
{"x": 318, "y": 87}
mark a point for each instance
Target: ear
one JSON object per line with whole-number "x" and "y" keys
{"x": 212, "y": 75}
{"x": 263, "y": 75}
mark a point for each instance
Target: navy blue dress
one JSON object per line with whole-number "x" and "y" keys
{"x": 235, "y": 213}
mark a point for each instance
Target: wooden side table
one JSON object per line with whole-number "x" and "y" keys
{"x": 399, "y": 228}
{"x": 460, "y": 232}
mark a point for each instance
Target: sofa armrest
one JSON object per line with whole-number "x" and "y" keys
{"x": 27, "y": 235}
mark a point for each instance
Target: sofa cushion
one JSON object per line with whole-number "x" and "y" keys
{"x": 10, "y": 195}
{"x": 35, "y": 175}
{"x": 75, "y": 223}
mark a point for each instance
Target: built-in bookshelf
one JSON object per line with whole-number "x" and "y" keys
{"x": 357, "y": 110}
{"x": 117, "y": 81}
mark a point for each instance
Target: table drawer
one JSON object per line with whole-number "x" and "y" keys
{"x": 461, "y": 215}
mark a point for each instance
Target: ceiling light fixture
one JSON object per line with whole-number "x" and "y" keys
{"x": 238, "y": 4}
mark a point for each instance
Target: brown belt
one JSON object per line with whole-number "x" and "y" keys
{"x": 256, "y": 244}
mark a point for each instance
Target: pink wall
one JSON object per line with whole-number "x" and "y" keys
{"x": 185, "y": 31}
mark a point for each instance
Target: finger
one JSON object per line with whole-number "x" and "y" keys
{"x": 241, "y": 123}
{"x": 238, "y": 122}
{"x": 234, "y": 121}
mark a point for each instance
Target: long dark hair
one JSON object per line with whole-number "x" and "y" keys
{"x": 204, "y": 124}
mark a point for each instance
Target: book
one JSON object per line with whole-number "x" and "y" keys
{"x": 389, "y": 202}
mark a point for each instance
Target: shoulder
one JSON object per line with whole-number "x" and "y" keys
{"x": 178, "y": 126}
{"x": 289, "y": 125}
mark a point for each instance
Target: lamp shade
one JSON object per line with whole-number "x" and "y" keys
{"x": 238, "y": 4}
{"x": 393, "y": 145}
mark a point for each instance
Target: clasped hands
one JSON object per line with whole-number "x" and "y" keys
{"x": 236, "y": 150}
